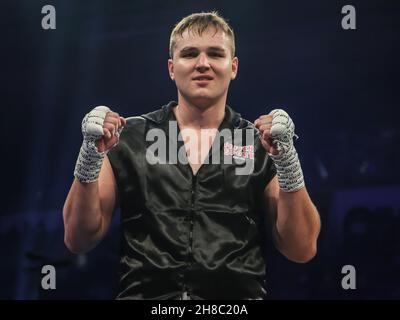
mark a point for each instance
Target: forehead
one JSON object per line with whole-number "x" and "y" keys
{"x": 209, "y": 38}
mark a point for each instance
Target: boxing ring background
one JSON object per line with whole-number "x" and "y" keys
{"x": 339, "y": 86}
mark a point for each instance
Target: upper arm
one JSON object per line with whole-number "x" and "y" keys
{"x": 107, "y": 192}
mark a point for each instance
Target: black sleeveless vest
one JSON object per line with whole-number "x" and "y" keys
{"x": 202, "y": 235}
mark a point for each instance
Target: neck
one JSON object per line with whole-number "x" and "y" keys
{"x": 199, "y": 116}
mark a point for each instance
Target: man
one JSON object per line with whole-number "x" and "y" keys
{"x": 192, "y": 230}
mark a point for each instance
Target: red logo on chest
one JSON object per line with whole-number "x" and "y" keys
{"x": 246, "y": 152}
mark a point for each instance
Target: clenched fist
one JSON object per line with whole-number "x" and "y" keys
{"x": 112, "y": 126}
{"x": 276, "y": 130}
{"x": 276, "y": 136}
{"x": 101, "y": 128}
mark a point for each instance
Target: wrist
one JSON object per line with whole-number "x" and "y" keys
{"x": 89, "y": 162}
{"x": 289, "y": 171}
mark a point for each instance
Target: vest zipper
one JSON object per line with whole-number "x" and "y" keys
{"x": 191, "y": 215}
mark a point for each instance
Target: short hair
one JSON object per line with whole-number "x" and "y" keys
{"x": 198, "y": 23}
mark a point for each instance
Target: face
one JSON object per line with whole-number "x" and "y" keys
{"x": 202, "y": 67}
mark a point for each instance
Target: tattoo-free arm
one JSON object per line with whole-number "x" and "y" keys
{"x": 295, "y": 222}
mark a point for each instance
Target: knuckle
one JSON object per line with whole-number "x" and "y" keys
{"x": 110, "y": 126}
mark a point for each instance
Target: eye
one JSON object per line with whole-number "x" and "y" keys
{"x": 189, "y": 54}
{"x": 216, "y": 54}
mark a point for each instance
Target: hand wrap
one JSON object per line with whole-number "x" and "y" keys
{"x": 90, "y": 160}
{"x": 290, "y": 175}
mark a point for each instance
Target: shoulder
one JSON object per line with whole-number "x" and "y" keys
{"x": 156, "y": 116}
{"x": 133, "y": 122}
{"x": 236, "y": 119}
{"x": 136, "y": 126}
{"x": 245, "y": 124}
{"x": 133, "y": 128}
{"x": 247, "y": 127}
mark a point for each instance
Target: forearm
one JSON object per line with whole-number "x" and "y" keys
{"x": 83, "y": 217}
{"x": 297, "y": 225}
{"x": 90, "y": 203}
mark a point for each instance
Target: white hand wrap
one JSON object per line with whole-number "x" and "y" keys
{"x": 290, "y": 175}
{"x": 90, "y": 160}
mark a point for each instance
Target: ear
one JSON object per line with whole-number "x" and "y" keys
{"x": 171, "y": 69}
{"x": 235, "y": 65}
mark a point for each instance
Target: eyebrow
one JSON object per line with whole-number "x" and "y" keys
{"x": 186, "y": 49}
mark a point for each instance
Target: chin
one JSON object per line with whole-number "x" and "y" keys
{"x": 203, "y": 102}
{"x": 201, "y": 98}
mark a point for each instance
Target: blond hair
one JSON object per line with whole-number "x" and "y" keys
{"x": 198, "y": 23}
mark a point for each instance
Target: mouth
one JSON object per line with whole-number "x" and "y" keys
{"x": 203, "y": 79}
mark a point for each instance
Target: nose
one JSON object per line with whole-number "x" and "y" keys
{"x": 202, "y": 63}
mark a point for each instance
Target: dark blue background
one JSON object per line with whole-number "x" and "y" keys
{"x": 340, "y": 87}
